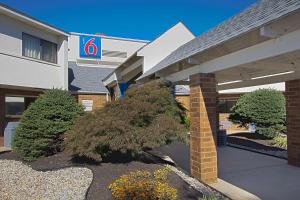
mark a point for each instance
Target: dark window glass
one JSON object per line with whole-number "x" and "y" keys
{"x": 15, "y": 106}
{"x": 37, "y": 48}
{"x": 225, "y": 105}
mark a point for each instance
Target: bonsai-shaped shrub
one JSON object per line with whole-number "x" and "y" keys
{"x": 44, "y": 122}
{"x": 143, "y": 185}
{"x": 147, "y": 117}
{"x": 265, "y": 108}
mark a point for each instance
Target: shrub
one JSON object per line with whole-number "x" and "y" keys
{"x": 147, "y": 117}
{"x": 186, "y": 121}
{"x": 265, "y": 108}
{"x": 143, "y": 185}
{"x": 208, "y": 197}
{"x": 43, "y": 123}
{"x": 280, "y": 141}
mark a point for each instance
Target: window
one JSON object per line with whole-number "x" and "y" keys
{"x": 225, "y": 105}
{"x": 37, "y": 48}
{"x": 15, "y": 106}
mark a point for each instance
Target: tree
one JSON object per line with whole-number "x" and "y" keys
{"x": 147, "y": 117}
{"x": 265, "y": 108}
{"x": 43, "y": 123}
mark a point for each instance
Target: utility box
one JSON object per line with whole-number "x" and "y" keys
{"x": 9, "y": 133}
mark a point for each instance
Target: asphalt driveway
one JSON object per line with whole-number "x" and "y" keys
{"x": 265, "y": 176}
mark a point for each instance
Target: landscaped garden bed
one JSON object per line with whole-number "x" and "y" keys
{"x": 20, "y": 181}
{"x": 104, "y": 173}
{"x": 58, "y": 142}
{"x": 263, "y": 110}
{"x": 256, "y": 142}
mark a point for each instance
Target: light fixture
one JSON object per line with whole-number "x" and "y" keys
{"x": 229, "y": 82}
{"x": 271, "y": 75}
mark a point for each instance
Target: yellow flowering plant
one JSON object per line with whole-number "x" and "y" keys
{"x": 143, "y": 185}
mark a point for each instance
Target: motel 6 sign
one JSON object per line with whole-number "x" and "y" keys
{"x": 90, "y": 46}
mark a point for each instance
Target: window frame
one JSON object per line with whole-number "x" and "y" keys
{"x": 24, "y": 108}
{"x": 42, "y": 50}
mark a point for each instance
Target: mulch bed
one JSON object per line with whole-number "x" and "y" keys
{"x": 107, "y": 171}
{"x": 255, "y": 142}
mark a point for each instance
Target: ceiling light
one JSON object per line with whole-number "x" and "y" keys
{"x": 271, "y": 75}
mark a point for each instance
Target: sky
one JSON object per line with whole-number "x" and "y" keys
{"x": 139, "y": 19}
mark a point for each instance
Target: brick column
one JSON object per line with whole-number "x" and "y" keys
{"x": 203, "y": 153}
{"x": 292, "y": 89}
{"x": 2, "y": 117}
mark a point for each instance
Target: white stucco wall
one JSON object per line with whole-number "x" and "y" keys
{"x": 164, "y": 45}
{"x": 17, "y": 70}
{"x": 107, "y": 43}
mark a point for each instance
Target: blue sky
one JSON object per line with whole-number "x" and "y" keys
{"x": 142, "y": 19}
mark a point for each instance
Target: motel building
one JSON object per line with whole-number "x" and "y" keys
{"x": 257, "y": 48}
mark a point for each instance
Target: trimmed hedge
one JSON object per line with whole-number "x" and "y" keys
{"x": 44, "y": 122}
{"x": 147, "y": 117}
{"x": 265, "y": 108}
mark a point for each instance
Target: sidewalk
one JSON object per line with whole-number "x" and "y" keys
{"x": 267, "y": 177}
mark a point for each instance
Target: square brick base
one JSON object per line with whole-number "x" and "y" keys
{"x": 293, "y": 121}
{"x": 203, "y": 113}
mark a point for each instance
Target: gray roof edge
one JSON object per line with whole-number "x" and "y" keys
{"x": 161, "y": 65}
{"x": 145, "y": 46}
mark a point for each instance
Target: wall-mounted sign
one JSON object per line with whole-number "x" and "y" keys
{"x": 90, "y": 46}
{"x": 87, "y": 104}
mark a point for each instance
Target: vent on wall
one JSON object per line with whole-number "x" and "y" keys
{"x": 118, "y": 54}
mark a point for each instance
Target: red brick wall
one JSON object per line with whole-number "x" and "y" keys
{"x": 185, "y": 101}
{"x": 99, "y": 100}
{"x": 293, "y": 121}
{"x": 203, "y": 105}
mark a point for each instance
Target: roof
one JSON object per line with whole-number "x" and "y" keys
{"x": 258, "y": 14}
{"x": 87, "y": 79}
{"x": 21, "y": 15}
{"x": 149, "y": 43}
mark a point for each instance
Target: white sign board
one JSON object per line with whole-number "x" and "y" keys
{"x": 87, "y": 104}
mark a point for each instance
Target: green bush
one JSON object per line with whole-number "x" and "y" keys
{"x": 147, "y": 117}
{"x": 208, "y": 197}
{"x": 280, "y": 141}
{"x": 143, "y": 185}
{"x": 265, "y": 108}
{"x": 44, "y": 122}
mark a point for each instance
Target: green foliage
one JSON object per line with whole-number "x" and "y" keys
{"x": 143, "y": 185}
{"x": 208, "y": 197}
{"x": 186, "y": 121}
{"x": 280, "y": 141}
{"x": 44, "y": 122}
{"x": 265, "y": 108}
{"x": 147, "y": 117}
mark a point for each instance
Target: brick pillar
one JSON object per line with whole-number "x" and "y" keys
{"x": 292, "y": 89}
{"x": 203, "y": 153}
{"x": 2, "y": 117}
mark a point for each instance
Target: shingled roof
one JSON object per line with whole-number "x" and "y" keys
{"x": 258, "y": 14}
{"x": 87, "y": 79}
